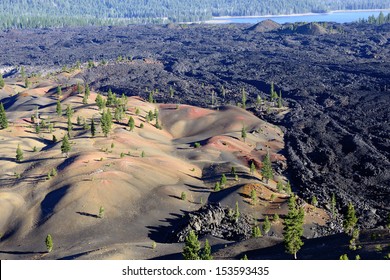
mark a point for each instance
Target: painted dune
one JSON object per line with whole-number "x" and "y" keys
{"x": 137, "y": 176}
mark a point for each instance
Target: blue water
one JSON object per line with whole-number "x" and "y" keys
{"x": 339, "y": 17}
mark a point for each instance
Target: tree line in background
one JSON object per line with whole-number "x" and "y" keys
{"x": 66, "y": 13}
{"x": 380, "y": 19}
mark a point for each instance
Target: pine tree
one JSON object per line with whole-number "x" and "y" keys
{"x": 27, "y": 83}
{"x": 236, "y": 212}
{"x": 93, "y": 128}
{"x": 223, "y": 180}
{"x": 3, "y": 117}
{"x": 350, "y": 219}
{"x": 23, "y": 72}
{"x": 279, "y": 186}
{"x": 37, "y": 129}
{"x": 280, "y": 100}
{"x": 100, "y": 101}
{"x": 69, "y": 111}
{"x": 150, "y": 115}
{"x": 118, "y": 114}
{"x": 2, "y": 83}
{"x": 217, "y": 187}
{"x": 79, "y": 88}
{"x": 223, "y": 91}
{"x": 244, "y": 258}
{"x": 87, "y": 91}
{"x": 252, "y": 168}
{"x": 333, "y": 204}
{"x": 171, "y": 92}
{"x": 293, "y": 228}
{"x": 253, "y": 197}
{"x": 243, "y": 133}
{"x": 54, "y": 172}
{"x": 85, "y": 99}
{"x": 106, "y": 122}
{"x": 19, "y": 154}
{"x": 192, "y": 247}
{"x": 51, "y": 127}
{"x": 288, "y": 188}
{"x": 183, "y": 196}
{"x": 258, "y": 101}
{"x": 206, "y": 252}
{"x": 131, "y": 123}
{"x": 49, "y": 243}
{"x": 101, "y": 212}
{"x": 59, "y": 108}
{"x": 110, "y": 98}
{"x": 314, "y": 201}
{"x": 65, "y": 146}
{"x": 91, "y": 64}
{"x": 243, "y": 98}
{"x": 212, "y": 98}
{"x": 150, "y": 98}
{"x": 123, "y": 101}
{"x": 266, "y": 225}
{"x": 59, "y": 91}
{"x": 273, "y": 94}
{"x": 256, "y": 232}
{"x": 266, "y": 170}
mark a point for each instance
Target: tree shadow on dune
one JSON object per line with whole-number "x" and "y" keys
{"x": 49, "y": 203}
{"x": 174, "y": 256}
{"x": 7, "y": 159}
{"x": 198, "y": 189}
{"x": 25, "y": 160}
{"x": 41, "y": 140}
{"x": 75, "y": 256}
{"x": 164, "y": 233}
{"x": 87, "y": 214}
{"x": 21, "y": 252}
{"x": 174, "y": 196}
{"x": 220, "y": 195}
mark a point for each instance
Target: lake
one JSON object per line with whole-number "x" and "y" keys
{"x": 337, "y": 16}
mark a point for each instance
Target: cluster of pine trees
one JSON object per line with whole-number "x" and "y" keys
{"x": 380, "y": 19}
{"x": 63, "y": 13}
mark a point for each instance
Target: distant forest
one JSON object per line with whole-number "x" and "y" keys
{"x": 60, "y": 13}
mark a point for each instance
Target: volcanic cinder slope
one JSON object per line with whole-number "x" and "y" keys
{"x": 137, "y": 176}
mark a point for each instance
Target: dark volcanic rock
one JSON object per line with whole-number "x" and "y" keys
{"x": 215, "y": 220}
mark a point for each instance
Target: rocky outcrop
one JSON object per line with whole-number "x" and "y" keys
{"x": 213, "y": 219}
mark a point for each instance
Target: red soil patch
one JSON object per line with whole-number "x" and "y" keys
{"x": 226, "y": 143}
{"x": 194, "y": 112}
